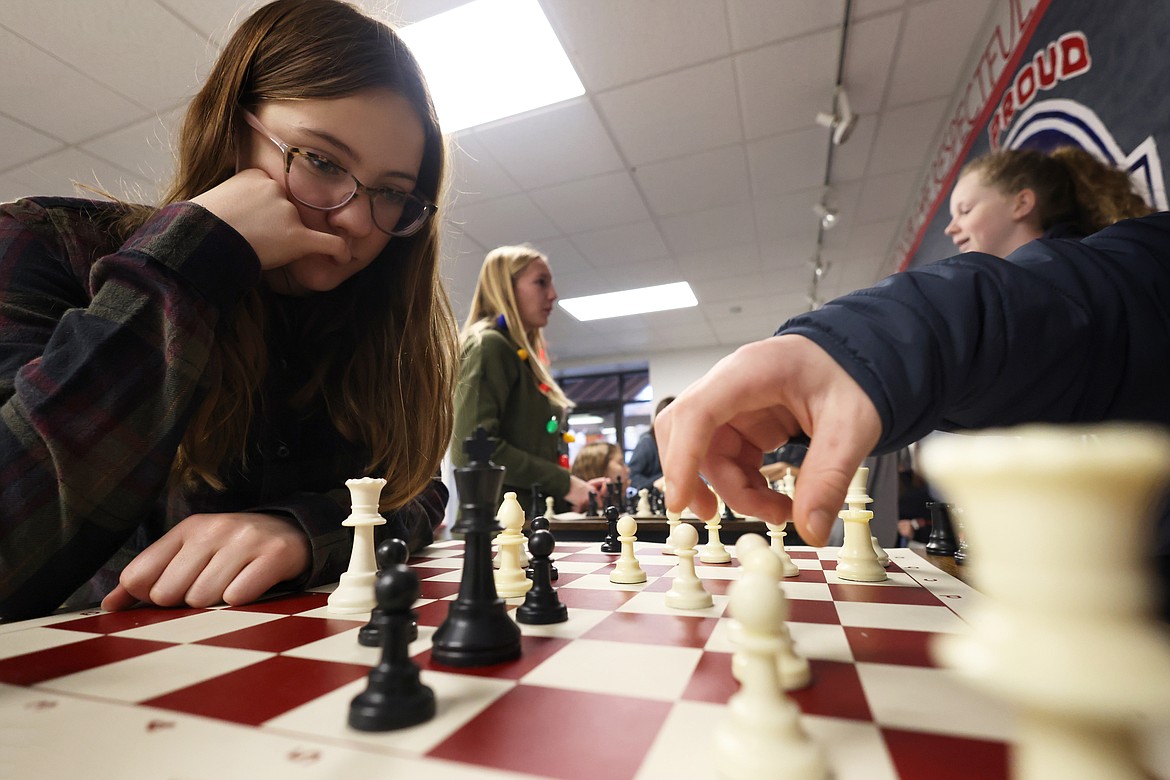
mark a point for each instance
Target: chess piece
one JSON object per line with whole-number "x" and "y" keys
{"x": 477, "y": 630}
{"x": 762, "y": 737}
{"x": 776, "y": 534}
{"x": 714, "y": 550}
{"x": 510, "y": 579}
{"x": 610, "y": 543}
{"x": 541, "y": 605}
{"x": 672, "y": 522}
{"x": 756, "y": 558}
{"x": 627, "y": 570}
{"x": 686, "y": 590}
{"x": 549, "y": 504}
{"x": 1070, "y": 638}
{"x": 355, "y": 589}
{"x": 389, "y": 553}
{"x": 591, "y": 508}
{"x": 788, "y": 484}
{"x": 942, "y": 533}
{"x": 394, "y": 697}
{"x": 541, "y": 524}
{"x": 644, "y": 509}
{"x": 882, "y": 556}
{"x": 858, "y": 561}
{"x": 964, "y": 550}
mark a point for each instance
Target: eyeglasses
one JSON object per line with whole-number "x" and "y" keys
{"x": 321, "y": 184}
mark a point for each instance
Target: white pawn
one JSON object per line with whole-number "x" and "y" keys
{"x": 549, "y": 503}
{"x": 858, "y": 561}
{"x": 776, "y": 534}
{"x": 644, "y": 503}
{"x": 511, "y": 581}
{"x": 672, "y": 522}
{"x": 627, "y": 570}
{"x": 788, "y": 484}
{"x": 686, "y": 591}
{"x": 756, "y": 558}
{"x": 762, "y": 738}
{"x": 714, "y": 550}
{"x": 355, "y": 589}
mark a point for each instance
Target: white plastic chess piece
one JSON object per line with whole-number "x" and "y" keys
{"x": 509, "y": 509}
{"x": 686, "y": 591}
{"x": 1069, "y": 636}
{"x": 756, "y": 558}
{"x": 627, "y": 570}
{"x": 511, "y": 581}
{"x": 644, "y": 503}
{"x": 776, "y": 534}
{"x": 788, "y": 484}
{"x": 672, "y": 522}
{"x": 882, "y": 556}
{"x": 355, "y": 589}
{"x": 858, "y": 561}
{"x": 549, "y": 503}
{"x": 714, "y": 550}
{"x": 762, "y": 738}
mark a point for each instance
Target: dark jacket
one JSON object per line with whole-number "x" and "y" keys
{"x": 645, "y": 467}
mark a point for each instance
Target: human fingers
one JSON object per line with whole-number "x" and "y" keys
{"x": 139, "y": 576}
{"x": 119, "y": 599}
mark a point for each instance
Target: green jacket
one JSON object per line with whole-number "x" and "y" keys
{"x": 499, "y": 391}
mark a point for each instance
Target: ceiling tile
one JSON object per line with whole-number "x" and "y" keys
{"x": 782, "y": 87}
{"x": 22, "y": 143}
{"x": 151, "y": 40}
{"x": 903, "y": 134}
{"x": 701, "y": 181}
{"x": 56, "y": 173}
{"x": 929, "y": 69}
{"x": 552, "y": 145}
{"x": 614, "y": 42}
{"x": 81, "y": 108}
{"x": 717, "y": 261}
{"x": 474, "y": 173}
{"x": 757, "y": 22}
{"x": 789, "y": 162}
{"x": 621, "y": 245}
{"x": 869, "y": 55}
{"x": 589, "y": 204}
{"x": 679, "y": 113}
{"x": 514, "y": 219}
{"x": 885, "y": 197}
{"x": 150, "y": 144}
{"x": 712, "y": 229}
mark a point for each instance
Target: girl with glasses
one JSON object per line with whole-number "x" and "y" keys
{"x": 186, "y": 387}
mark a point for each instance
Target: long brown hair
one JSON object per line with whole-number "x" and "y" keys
{"x": 1071, "y": 186}
{"x": 495, "y": 296}
{"x": 384, "y": 352}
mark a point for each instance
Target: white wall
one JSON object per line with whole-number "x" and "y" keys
{"x": 672, "y": 372}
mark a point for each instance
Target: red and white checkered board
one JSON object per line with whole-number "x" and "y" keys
{"x": 627, "y": 688}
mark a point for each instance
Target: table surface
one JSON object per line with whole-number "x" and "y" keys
{"x": 626, "y": 688}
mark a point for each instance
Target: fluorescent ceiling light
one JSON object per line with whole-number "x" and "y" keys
{"x": 490, "y": 59}
{"x": 585, "y": 419}
{"x": 642, "y": 300}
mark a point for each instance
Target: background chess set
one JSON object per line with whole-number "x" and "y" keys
{"x": 626, "y": 688}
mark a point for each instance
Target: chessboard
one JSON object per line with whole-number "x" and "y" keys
{"x": 627, "y": 688}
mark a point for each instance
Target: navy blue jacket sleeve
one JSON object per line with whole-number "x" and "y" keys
{"x": 644, "y": 464}
{"x": 1062, "y": 331}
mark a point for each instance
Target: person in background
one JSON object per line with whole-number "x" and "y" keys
{"x": 1007, "y": 198}
{"x": 1064, "y": 331}
{"x": 505, "y": 384}
{"x": 645, "y": 468}
{"x": 186, "y": 387}
{"x": 600, "y": 463}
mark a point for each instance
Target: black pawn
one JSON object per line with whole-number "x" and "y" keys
{"x": 942, "y": 533}
{"x": 610, "y": 543}
{"x": 541, "y": 524}
{"x": 592, "y": 509}
{"x": 541, "y": 605}
{"x": 389, "y": 553}
{"x": 394, "y": 697}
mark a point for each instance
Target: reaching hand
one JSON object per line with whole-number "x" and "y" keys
{"x": 579, "y": 490}
{"x": 258, "y": 209}
{"x": 209, "y": 559}
{"x": 751, "y": 402}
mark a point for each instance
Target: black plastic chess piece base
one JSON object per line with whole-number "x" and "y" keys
{"x": 369, "y": 635}
{"x": 541, "y": 614}
{"x": 408, "y": 704}
{"x": 476, "y": 637}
